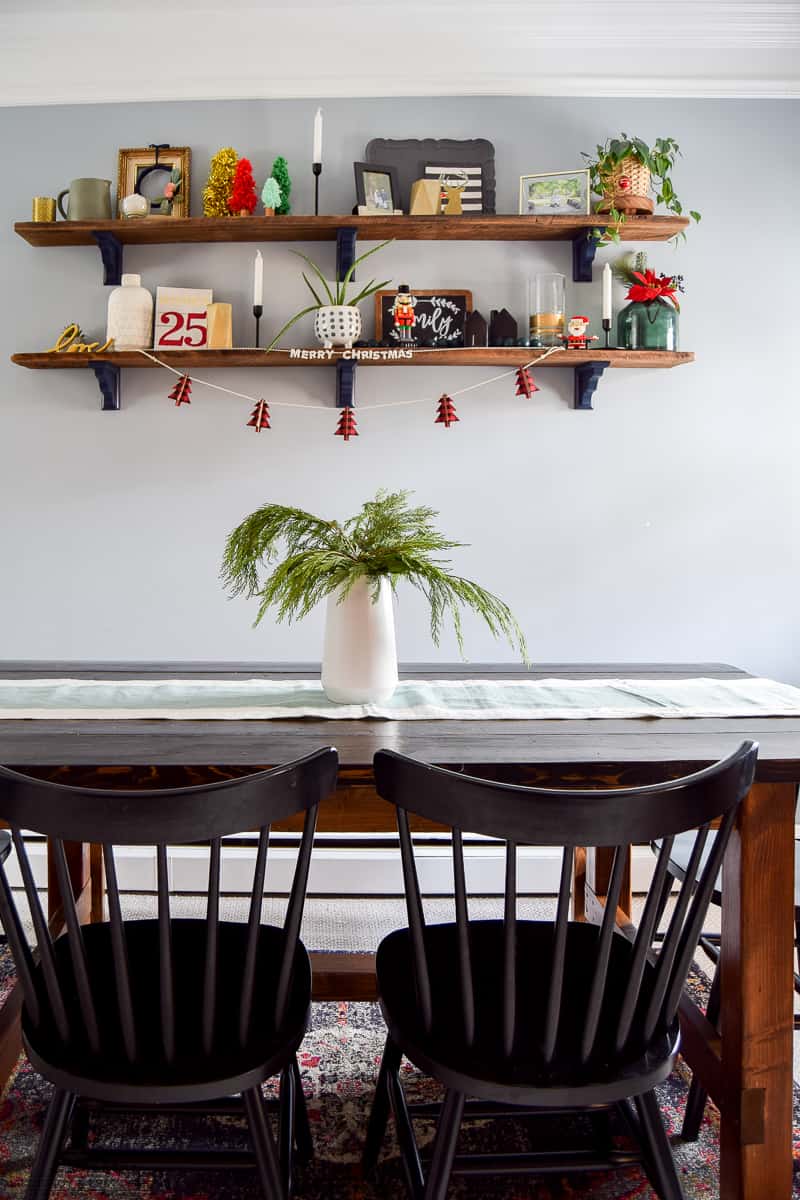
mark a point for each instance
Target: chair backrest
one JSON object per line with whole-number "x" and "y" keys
{"x": 570, "y": 819}
{"x": 156, "y": 818}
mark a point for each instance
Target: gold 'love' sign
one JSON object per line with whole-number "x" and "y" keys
{"x": 69, "y": 342}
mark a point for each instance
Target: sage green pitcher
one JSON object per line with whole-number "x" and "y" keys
{"x": 89, "y": 200}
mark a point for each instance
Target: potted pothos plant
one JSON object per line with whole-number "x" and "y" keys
{"x": 625, "y": 170}
{"x": 355, "y": 566}
{"x": 338, "y": 320}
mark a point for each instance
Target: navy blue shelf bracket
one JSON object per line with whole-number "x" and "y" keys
{"x": 111, "y": 253}
{"x": 107, "y": 376}
{"x": 584, "y": 248}
{"x": 346, "y": 383}
{"x": 345, "y": 250}
{"x": 587, "y": 377}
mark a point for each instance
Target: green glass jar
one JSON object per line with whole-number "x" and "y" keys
{"x": 647, "y": 326}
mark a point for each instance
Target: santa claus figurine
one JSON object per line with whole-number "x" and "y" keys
{"x": 576, "y": 336}
{"x": 403, "y": 313}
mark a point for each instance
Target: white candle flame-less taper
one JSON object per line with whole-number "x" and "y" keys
{"x": 258, "y": 280}
{"x": 359, "y": 658}
{"x": 317, "y": 155}
{"x": 606, "y": 293}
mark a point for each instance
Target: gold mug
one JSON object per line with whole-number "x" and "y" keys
{"x": 44, "y": 208}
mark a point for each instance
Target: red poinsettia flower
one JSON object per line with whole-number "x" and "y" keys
{"x": 653, "y": 287}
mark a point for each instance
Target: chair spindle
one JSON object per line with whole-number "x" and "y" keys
{"x": 294, "y": 914}
{"x": 510, "y": 951}
{"x": 253, "y": 925}
{"x": 119, "y": 949}
{"x": 44, "y": 942}
{"x": 77, "y": 949}
{"x": 603, "y": 953}
{"x": 462, "y": 925}
{"x": 643, "y": 942}
{"x": 416, "y": 919}
{"x": 212, "y": 942}
{"x": 559, "y": 955}
{"x": 23, "y": 959}
{"x": 166, "y": 980}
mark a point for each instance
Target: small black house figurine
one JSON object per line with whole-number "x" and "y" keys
{"x": 502, "y": 328}
{"x": 475, "y": 331}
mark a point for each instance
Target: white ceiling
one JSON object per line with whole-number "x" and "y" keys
{"x": 99, "y": 51}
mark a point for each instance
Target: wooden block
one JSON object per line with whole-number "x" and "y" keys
{"x": 425, "y": 198}
{"x": 220, "y": 326}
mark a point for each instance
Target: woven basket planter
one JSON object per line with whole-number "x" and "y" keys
{"x": 628, "y": 188}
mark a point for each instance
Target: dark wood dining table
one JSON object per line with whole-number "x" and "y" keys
{"x": 747, "y": 1069}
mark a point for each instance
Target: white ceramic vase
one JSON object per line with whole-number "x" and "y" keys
{"x": 337, "y": 325}
{"x": 130, "y": 315}
{"x": 359, "y": 659}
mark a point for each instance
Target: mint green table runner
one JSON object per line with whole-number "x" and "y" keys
{"x": 461, "y": 700}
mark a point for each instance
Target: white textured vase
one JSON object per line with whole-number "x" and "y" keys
{"x": 130, "y": 315}
{"x": 337, "y": 325}
{"x": 359, "y": 659}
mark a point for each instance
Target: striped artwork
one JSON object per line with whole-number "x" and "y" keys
{"x": 472, "y": 196}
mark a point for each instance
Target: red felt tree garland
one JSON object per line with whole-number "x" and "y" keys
{"x": 182, "y": 392}
{"x": 259, "y": 417}
{"x": 446, "y": 412}
{"x": 347, "y": 425}
{"x": 525, "y": 384}
{"x": 243, "y": 192}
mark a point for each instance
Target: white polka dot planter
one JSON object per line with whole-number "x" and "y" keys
{"x": 337, "y": 325}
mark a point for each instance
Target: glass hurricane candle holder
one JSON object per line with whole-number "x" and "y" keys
{"x": 546, "y": 305}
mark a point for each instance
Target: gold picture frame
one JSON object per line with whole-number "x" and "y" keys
{"x": 134, "y": 161}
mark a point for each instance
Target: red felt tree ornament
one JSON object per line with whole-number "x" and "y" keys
{"x": 182, "y": 392}
{"x": 446, "y": 413}
{"x": 243, "y": 193}
{"x": 259, "y": 417}
{"x": 525, "y": 384}
{"x": 347, "y": 425}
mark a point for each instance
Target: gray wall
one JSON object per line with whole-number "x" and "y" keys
{"x": 663, "y": 526}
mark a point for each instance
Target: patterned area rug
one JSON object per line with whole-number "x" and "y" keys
{"x": 339, "y": 1062}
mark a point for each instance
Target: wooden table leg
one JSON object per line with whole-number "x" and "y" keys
{"x": 97, "y": 872}
{"x": 757, "y": 998}
{"x": 598, "y": 864}
{"x": 79, "y": 867}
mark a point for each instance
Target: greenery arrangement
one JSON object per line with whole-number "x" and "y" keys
{"x": 644, "y": 284}
{"x": 660, "y": 161}
{"x": 280, "y": 173}
{"x": 387, "y": 538}
{"x": 332, "y": 297}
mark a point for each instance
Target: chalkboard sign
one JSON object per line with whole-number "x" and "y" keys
{"x": 439, "y": 318}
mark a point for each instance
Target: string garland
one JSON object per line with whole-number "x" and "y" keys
{"x": 192, "y": 380}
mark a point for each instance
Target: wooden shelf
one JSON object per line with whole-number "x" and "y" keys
{"x": 151, "y": 230}
{"x": 588, "y": 365}
{"x": 481, "y": 356}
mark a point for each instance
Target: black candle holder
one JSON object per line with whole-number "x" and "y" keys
{"x": 258, "y": 310}
{"x": 606, "y": 323}
{"x": 317, "y": 169}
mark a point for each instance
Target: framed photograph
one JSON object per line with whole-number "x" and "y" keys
{"x": 559, "y": 193}
{"x": 439, "y": 316}
{"x": 470, "y": 173}
{"x": 181, "y": 319}
{"x": 376, "y": 188}
{"x": 411, "y": 156}
{"x": 148, "y": 170}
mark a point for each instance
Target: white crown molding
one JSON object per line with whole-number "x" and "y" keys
{"x": 698, "y": 49}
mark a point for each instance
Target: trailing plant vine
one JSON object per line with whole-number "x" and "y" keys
{"x": 660, "y": 160}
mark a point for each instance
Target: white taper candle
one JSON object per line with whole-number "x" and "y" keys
{"x": 607, "y": 292}
{"x": 258, "y": 280}
{"x": 317, "y": 156}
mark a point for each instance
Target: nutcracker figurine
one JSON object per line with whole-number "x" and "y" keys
{"x": 403, "y": 313}
{"x": 576, "y": 336}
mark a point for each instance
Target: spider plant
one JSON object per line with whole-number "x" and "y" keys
{"x": 338, "y": 294}
{"x": 388, "y": 538}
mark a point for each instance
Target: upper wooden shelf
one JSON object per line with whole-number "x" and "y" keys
{"x": 161, "y": 230}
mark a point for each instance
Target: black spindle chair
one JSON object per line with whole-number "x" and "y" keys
{"x": 556, "y": 1015}
{"x": 5, "y": 850}
{"x": 166, "y": 1012}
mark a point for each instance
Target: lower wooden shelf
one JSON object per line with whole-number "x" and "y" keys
{"x": 588, "y": 365}
{"x": 478, "y": 356}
